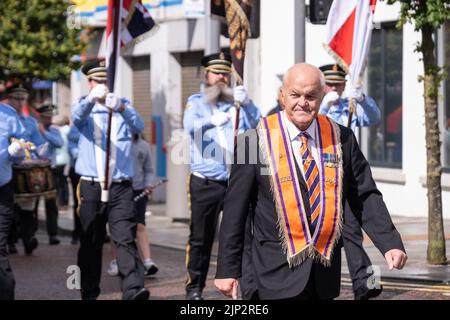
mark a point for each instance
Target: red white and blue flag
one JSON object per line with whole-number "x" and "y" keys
{"x": 128, "y": 21}
{"x": 349, "y": 31}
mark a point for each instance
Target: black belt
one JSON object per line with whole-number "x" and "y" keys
{"x": 207, "y": 180}
{"x": 92, "y": 179}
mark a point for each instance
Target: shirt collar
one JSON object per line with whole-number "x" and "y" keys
{"x": 8, "y": 107}
{"x": 294, "y": 131}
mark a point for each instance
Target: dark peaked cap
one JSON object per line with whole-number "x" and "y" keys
{"x": 16, "y": 90}
{"x": 217, "y": 62}
{"x": 95, "y": 70}
{"x": 46, "y": 110}
{"x": 333, "y": 73}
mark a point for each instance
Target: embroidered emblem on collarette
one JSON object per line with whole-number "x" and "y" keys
{"x": 285, "y": 179}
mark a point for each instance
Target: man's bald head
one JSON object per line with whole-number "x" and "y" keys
{"x": 302, "y": 93}
{"x": 304, "y": 69}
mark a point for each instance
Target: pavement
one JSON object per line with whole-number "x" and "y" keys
{"x": 169, "y": 233}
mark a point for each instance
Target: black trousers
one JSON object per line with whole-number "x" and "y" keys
{"x": 62, "y": 187}
{"x": 206, "y": 202}
{"x": 74, "y": 180}
{"x": 94, "y": 215}
{"x": 357, "y": 259}
{"x": 28, "y": 223}
{"x": 247, "y": 282}
{"x": 7, "y": 282}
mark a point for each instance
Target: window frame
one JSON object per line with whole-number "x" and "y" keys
{"x": 443, "y": 95}
{"x": 382, "y": 102}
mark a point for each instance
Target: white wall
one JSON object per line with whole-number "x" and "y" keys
{"x": 267, "y": 60}
{"x": 277, "y": 48}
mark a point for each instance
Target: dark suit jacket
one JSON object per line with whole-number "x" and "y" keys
{"x": 274, "y": 278}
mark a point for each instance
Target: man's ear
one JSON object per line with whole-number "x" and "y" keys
{"x": 282, "y": 95}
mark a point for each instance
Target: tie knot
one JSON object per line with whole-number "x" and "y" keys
{"x": 303, "y": 137}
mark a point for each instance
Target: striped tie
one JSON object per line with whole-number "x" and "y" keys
{"x": 311, "y": 174}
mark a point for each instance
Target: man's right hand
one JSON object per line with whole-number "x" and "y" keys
{"x": 220, "y": 118}
{"x": 98, "y": 92}
{"x": 330, "y": 98}
{"x": 228, "y": 287}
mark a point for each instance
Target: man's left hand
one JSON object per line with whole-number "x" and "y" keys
{"x": 112, "y": 102}
{"x": 228, "y": 287}
{"x": 356, "y": 93}
{"x": 395, "y": 258}
{"x": 240, "y": 95}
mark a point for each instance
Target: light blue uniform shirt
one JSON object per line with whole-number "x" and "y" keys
{"x": 46, "y": 143}
{"x": 10, "y": 127}
{"x": 73, "y": 136}
{"x": 129, "y": 122}
{"x": 367, "y": 112}
{"x": 206, "y": 157}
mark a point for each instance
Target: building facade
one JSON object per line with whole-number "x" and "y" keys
{"x": 160, "y": 72}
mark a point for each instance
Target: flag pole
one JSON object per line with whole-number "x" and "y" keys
{"x": 351, "y": 110}
{"x": 236, "y": 14}
{"x": 111, "y": 80}
{"x": 237, "y": 105}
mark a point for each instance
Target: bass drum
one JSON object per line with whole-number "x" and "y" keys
{"x": 33, "y": 178}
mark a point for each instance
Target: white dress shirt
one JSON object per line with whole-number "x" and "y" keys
{"x": 293, "y": 132}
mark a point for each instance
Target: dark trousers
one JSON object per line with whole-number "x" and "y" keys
{"x": 51, "y": 215}
{"x": 74, "y": 180}
{"x": 7, "y": 282}
{"x": 357, "y": 259}
{"x": 247, "y": 282}
{"x": 94, "y": 215}
{"x": 206, "y": 202}
{"x": 62, "y": 187}
{"x": 51, "y": 210}
{"x": 28, "y": 223}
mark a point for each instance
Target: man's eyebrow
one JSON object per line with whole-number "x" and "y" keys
{"x": 311, "y": 92}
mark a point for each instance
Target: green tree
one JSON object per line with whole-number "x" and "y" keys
{"x": 35, "y": 40}
{"x": 427, "y": 16}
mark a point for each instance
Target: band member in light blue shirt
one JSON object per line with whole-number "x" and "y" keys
{"x": 10, "y": 152}
{"x": 209, "y": 119}
{"x": 366, "y": 113}
{"x": 114, "y": 206}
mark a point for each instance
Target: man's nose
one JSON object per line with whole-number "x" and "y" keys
{"x": 302, "y": 101}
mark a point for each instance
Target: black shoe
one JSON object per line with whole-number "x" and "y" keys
{"x": 151, "y": 270}
{"x": 12, "y": 249}
{"x": 142, "y": 294}
{"x": 366, "y": 294}
{"x": 53, "y": 241}
{"x": 194, "y": 295}
{"x": 30, "y": 245}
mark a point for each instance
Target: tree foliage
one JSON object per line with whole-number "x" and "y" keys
{"x": 35, "y": 41}
{"x": 424, "y": 13}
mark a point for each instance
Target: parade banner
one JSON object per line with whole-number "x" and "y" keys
{"x": 349, "y": 32}
{"x": 237, "y": 13}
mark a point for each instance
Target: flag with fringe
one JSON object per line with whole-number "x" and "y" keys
{"x": 128, "y": 22}
{"x": 237, "y": 13}
{"x": 349, "y": 31}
